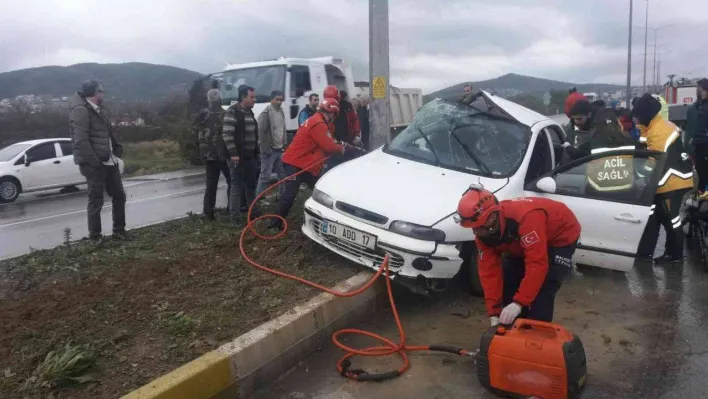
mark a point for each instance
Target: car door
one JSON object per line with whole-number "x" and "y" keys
{"x": 41, "y": 166}
{"x": 612, "y": 222}
{"x": 70, "y": 173}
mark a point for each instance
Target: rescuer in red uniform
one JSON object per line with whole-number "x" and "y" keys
{"x": 538, "y": 235}
{"x": 310, "y": 147}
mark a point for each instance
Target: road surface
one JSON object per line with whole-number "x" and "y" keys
{"x": 38, "y": 220}
{"x": 644, "y": 334}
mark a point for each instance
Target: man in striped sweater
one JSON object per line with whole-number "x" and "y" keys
{"x": 241, "y": 139}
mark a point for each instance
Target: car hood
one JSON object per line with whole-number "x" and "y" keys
{"x": 400, "y": 189}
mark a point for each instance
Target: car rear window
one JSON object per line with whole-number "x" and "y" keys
{"x": 456, "y": 136}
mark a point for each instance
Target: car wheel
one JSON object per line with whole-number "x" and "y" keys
{"x": 9, "y": 189}
{"x": 469, "y": 271}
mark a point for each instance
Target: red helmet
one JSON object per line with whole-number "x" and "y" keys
{"x": 475, "y": 206}
{"x": 331, "y": 91}
{"x": 329, "y": 105}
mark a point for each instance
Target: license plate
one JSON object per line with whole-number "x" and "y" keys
{"x": 346, "y": 233}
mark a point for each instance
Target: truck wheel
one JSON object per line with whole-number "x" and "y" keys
{"x": 469, "y": 271}
{"x": 9, "y": 189}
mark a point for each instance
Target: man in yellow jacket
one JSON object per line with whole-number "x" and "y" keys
{"x": 676, "y": 180}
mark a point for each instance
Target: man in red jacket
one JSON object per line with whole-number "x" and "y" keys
{"x": 538, "y": 235}
{"x": 310, "y": 147}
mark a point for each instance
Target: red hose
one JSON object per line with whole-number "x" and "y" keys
{"x": 389, "y": 347}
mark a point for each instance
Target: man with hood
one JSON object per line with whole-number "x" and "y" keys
{"x": 570, "y": 101}
{"x": 271, "y": 139}
{"x": 697, "y": 133}
{"x": 96, "y": 151}
{"x": 676, "y": 180}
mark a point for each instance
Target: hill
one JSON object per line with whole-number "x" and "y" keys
{"x": 128, "y": 81}
{"x": 512, "y": 85}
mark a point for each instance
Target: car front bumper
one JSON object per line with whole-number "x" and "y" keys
{"x": 444, "y": 260}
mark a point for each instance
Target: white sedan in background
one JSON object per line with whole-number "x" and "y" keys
{"x": 38, "y": 165}
{"x": 401, "y": 199}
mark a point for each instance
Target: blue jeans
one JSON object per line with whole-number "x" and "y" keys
{"x": 243, "y": 186}
{"x": 270, "y": 163}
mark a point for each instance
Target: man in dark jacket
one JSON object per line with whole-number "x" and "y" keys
{"x": 96, "y": 151}
{"x": 363, "y": 114}
{"x": 309, "y": 109}
{"x": 346, "y": 129}
{"x": 697, "y": 133}
{"x": 208, "y": 124}
{"x": 241, "y": 138}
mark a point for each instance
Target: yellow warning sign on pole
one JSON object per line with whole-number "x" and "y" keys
{"x": 379, "y": 87}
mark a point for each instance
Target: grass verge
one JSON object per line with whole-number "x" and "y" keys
{"x": 148, "y": 157}
{"x": 89, "y": 320}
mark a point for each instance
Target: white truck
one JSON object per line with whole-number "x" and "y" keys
{"x": 297, "y": 78}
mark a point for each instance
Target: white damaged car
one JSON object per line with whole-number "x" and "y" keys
{"x": 401, "y": 198}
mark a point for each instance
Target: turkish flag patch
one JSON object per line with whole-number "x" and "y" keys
{"x": 529, "y": 239}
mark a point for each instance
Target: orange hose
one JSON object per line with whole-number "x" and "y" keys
{"x": 389, "y": 347}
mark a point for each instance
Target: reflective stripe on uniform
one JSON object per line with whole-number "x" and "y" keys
{"x": 672, "y": 171}
{"x": 670, "y": 140}
{"x": 651, "y": 209}
{"x": 601, "y": 150}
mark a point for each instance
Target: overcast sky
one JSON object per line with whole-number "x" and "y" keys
{"x": 434, "y": 44}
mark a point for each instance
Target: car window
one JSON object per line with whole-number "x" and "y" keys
{"x": 460, "y": 137}
{"x": 42, "y": 152}
{"x": 8, "y": 153}
{"x": 555, "y": 134}
{"x": 299, "y": 80}
{"x": 541, "y": 159}
{"x": 66, "y": 148}
{"x": 621, "y": 178}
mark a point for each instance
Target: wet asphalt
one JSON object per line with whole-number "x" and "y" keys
{"x": 645, "y": 335}
{"x": 38, "y": 220}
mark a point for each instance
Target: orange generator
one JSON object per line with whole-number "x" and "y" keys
{"x": 532, "y": 358}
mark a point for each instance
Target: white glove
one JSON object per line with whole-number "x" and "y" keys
{"x": 566, "y": 145}
{"x": 510, "y": 313}
{"x": 494, "y": 320}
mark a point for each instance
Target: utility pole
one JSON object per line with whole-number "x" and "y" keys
{"x": 654, "y": 84}
{"x": 629, "y": 58}
{"x": 646, "y": 34}
{"x": 379, "y": 111}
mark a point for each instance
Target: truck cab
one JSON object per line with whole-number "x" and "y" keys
{"x": 297, "y": 78}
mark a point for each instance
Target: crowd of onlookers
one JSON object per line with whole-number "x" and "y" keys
{"x": 248, "y": 149}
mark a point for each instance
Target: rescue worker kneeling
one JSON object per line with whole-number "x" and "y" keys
{"x": 310, "y": 147}
{"x": 538, "y": 236}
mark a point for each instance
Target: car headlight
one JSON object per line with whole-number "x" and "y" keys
{"x": 322, "y": 198}
{"x": 417, "y": 231}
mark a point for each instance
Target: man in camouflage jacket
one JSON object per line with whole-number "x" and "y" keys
{"x": 209, "y": 129}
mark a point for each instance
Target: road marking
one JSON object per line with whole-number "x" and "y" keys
{"x": 104, "y": 207}
{"x": 130, "y": 183}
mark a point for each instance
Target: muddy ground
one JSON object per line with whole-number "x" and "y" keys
{"x": 149, "y": 305}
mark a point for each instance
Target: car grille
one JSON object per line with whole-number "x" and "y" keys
{"x": 374, "y": 255}
{"x": 361, "y": 213}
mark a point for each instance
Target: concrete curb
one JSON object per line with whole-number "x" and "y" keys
{"x": 254, "y": 360}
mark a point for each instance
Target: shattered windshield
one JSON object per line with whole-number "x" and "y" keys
{"x": 457, "y": 136}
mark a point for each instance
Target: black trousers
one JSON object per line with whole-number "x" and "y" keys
{"x": 213, "y": 170}
{"x": 100, "y": 179}
{"x": 702, "y": 166}
{"x": 559, "y": 264}
{"x": 666, "y": 212}
{"x": 292, "y": 186}
{"x": 244, "y": 177}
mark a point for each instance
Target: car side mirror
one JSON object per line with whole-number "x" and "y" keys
{"x": 27, "y": 160}
{"x": 547, "y": 185}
